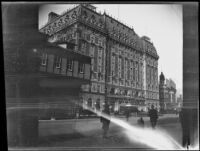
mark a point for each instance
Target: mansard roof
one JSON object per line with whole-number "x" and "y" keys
{"x": 58, "y": 17}
{"x": 149, "y": 47}
{"x": 113, "y": 27}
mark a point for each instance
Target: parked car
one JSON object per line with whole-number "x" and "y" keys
{"x": 132, "y": 109}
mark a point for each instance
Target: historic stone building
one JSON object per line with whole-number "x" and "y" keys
{"x": 167, "y": 93}
{"x": 131, "y": 68}
{"x": 124, "y": 66}
{"x": 170, "y": 84}
{"x": 151, "y": 87}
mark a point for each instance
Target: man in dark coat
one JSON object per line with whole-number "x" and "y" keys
{"x": 184, "y": 118}
{"x": 153, "y": 113}
{"x": 105, "y": 121}
{"x": 127, "y": 114}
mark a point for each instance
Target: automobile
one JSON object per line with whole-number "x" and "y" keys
{"x": 124, "y": 108}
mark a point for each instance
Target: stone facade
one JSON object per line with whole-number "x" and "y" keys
{"x": 167, "y": 93}
{"x": 123, "y": 64}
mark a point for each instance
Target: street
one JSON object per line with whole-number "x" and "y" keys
{"x": 88, "y": 132}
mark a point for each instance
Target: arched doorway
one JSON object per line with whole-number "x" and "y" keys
{"x": 97, "y": 106}
{"x": 89, "y": 102}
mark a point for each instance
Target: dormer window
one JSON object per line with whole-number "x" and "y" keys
{"x": 74, "y": 15}
{"x": 100, "y": 21}
{"x": 60, "y": 22}
{"x": 111, "y": 20}
{"x": 85, "y": 15}
{"x": 54, "y": 25}
{"x": 66, "y": 18}
{"x": 93, "y": 19}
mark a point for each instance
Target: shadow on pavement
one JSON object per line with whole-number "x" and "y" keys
{"x": 53, "y": 139}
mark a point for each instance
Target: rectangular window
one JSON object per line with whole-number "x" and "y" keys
{"x": 96, "y": 40}
{"x": 100, "y": 52}
{"x": 74, "y": 34}
{"x": 99, "y": 69}
{"x": 99, "y": 88}
{"x": 69, "y": 64}
{"x": 83, "y": 46}
{"x": 81, "y": 67}
{"x": 100, "y": 42}
{"x": 92, "y": 39}
{"x": 58, "y": 62}
{"x": 44, "y": 59}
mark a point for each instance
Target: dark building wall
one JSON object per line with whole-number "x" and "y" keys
{"x": 190, "y": 73}
{"x": 22, "y": 125}
{"x": 23, "y": 46}
{"x": 56, "y": 61}
{"x": 190, "y": 56}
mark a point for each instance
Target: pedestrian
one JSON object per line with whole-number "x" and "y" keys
{"x": 184, "y": 118}
{"x": 153, "y": 113}
{"x": 140, "y": 122}
{"x": 176, "y": 111}
{"x": 105, "y": 121}
{"x": 127, "y": 114}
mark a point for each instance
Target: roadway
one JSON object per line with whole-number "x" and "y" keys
{"x": 88, "y": 132}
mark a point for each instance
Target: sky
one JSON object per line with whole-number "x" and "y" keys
{"x": 162, "y": 23}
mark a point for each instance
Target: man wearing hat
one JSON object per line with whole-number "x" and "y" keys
{"x": 153, "y": 114}
{"x": 105, "y": 122}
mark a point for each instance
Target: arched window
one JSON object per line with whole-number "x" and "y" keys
{"x": 98, "y": 104}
